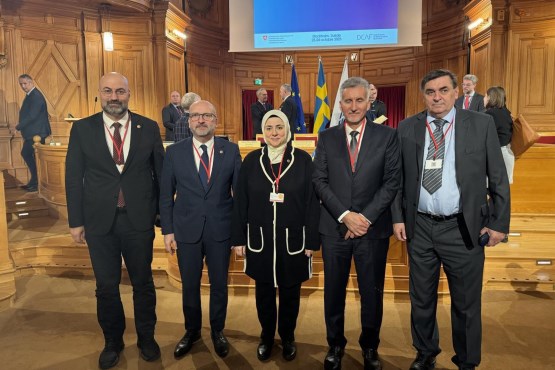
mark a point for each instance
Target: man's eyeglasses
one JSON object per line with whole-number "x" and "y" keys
{"x": 205, "y": 116}
{"x": 109, "y": 92}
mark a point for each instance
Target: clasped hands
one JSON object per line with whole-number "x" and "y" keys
{"x": 357, "y": 225}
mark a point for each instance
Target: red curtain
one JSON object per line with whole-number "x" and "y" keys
{"x": 249, "y": 98}
{"x": 394, "y": 99}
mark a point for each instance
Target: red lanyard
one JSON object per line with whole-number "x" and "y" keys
{"x": 443, "y": 135}
{"x": 354, "y": 157}
{"x": 208, "y": 166}
{"x": 278, "y": 177}
{"x": 119, "y": 149}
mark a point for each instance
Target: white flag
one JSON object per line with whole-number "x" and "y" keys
{"x": 337, "y": 114}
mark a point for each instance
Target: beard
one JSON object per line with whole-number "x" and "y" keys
{"x": 115, "y": 107}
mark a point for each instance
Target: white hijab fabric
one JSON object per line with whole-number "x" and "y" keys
{"x": 275, "y": 153}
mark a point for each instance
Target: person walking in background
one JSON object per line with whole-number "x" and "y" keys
{"x": 200, "y": 174}
{"x": 181, "y": 130}
{"x": 442, "y": 213}
{"x": 33, "y": 120}
{"x": 356, "y": 177}
{"x": 171, "y": 114}
{"x": 496, "y": 107}
{"x": 113, "y": 168}
{"x": 276, "y": 235}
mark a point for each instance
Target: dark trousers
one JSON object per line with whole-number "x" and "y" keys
{"x": 268, "y": 314}
{"x": 190, "y": 257}
{"x": 28, "y": 154}
{"x": 370, "y": 257}
{"x": 437, "y": 243}
{"x": 106, "y": 252}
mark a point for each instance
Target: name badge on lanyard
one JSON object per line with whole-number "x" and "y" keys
{"x": 434, "y": 164}
{"x": 277, "y": 197}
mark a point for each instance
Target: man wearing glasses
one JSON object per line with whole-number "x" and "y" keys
{"x": 196, "y": 202}
{"x": 113, "y": 167}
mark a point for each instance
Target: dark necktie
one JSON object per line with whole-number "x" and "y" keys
{"x": 118, "y": 156}
{"x": 432, "y": 177}
{"x": 202, "y": 172}
{"x": 353, "y": 147}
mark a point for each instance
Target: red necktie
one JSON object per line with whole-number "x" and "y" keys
{"x": 466, "y": 102}
{"x": 118, "y": 157}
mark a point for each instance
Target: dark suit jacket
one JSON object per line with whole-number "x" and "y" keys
{"x": 378, "y": 108}
{"x": 170, "y": 115}
{"x": 33, "y": 116}
{"x": 93, "y": 181}
{"x": 503, "y": 123}
{"x": 476, "y": 103}
{"x": 369, "y": 190}
{"x": 195, "y": 209}
{"x": 289, "y": 107}
{"x": 477, "y": 155}
{"x": 257, "y": 113}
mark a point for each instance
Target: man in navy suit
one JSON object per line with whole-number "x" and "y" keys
{"x": 356, "y": 176}
{"x": 289, "y": 107}
{"x": 113, "y": 168}
{"x": 33, "y": 120}
{"x": 199, "y": 175}
{"x": 171, "y": 114}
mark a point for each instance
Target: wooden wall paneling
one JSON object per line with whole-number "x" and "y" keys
{"x": 480, "y": 62}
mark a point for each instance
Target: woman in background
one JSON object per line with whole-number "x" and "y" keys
{"x": 494, "y": 102}
{"x": 275, "y": 226}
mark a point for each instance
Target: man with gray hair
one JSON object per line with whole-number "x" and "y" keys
{"x": 181, "y": 129}
{"x": 259, "y": 109}
{"x": 356, "y": 176}
{"x": 289, "y": 107}
{"x": 470, "y": 100}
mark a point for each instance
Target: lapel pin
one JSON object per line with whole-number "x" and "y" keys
{"x": 288, "y": 160}
{"x": 138, "y": 126}
{"x": 221, "y": 152}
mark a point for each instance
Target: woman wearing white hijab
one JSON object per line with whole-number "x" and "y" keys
{"x": 275, "y": 226}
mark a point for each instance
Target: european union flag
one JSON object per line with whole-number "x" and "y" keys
{"x": 322, "y": 110}
{"x": 299, "y": 126}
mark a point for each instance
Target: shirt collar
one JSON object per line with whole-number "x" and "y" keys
{"x": 30, "y": 91}
{"x": 348, "y": 128}
{"x": 449, "y": 117}
{"x": 208, "y": 144}
{"x": 109, "y": 122}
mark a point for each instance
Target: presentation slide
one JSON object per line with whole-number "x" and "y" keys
{"x": 324, "y": 23}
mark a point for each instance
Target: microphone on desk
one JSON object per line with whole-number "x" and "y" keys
{"x": 95, "y": 100}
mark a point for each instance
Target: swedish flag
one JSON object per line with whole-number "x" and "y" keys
{"x": 322, "y": 110}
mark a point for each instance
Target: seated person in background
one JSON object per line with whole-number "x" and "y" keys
{"x": 494, "y": 101}
{"x": 181, "y": 130}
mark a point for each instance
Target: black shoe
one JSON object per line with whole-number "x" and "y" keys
{"x": 371, "y": 359}
{"x": 186, "y": 343}
{"x": 333, "y": 358}
{"x": 423, "y": 362}
{"x": 264, "y": 350}
{"x": 221, "y": 345}
{"x": 31, "y": 188}
{"x": 109, "y": 357}
{"x": 289, "y": 351}
{"x": 149, "y": 350}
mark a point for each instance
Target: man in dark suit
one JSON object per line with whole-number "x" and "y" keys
{"x": 113, "y": 167}
{"x": 377, "y": 107}
{"x": 171, "y": 114}
{"x": 441, "y": 211}
{"x": 289, "y": 107}
{"x": 356, "y": 176}
{"x": 470, "y": 100}
{"x": 202, "y": 170}
{"x": 33, "y": 120}
{"x": 259, "y": 109}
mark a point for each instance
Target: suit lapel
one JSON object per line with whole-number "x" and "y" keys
{"x": 217, "y": 161}
{"x": 343, "y": 149}
{"x": 420, "y": 139}
{"x": 365, "y": 145}
{"x": 461, "y": 130}
{"x": 136, "y": 134}
{"x": 99, "y": 132}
